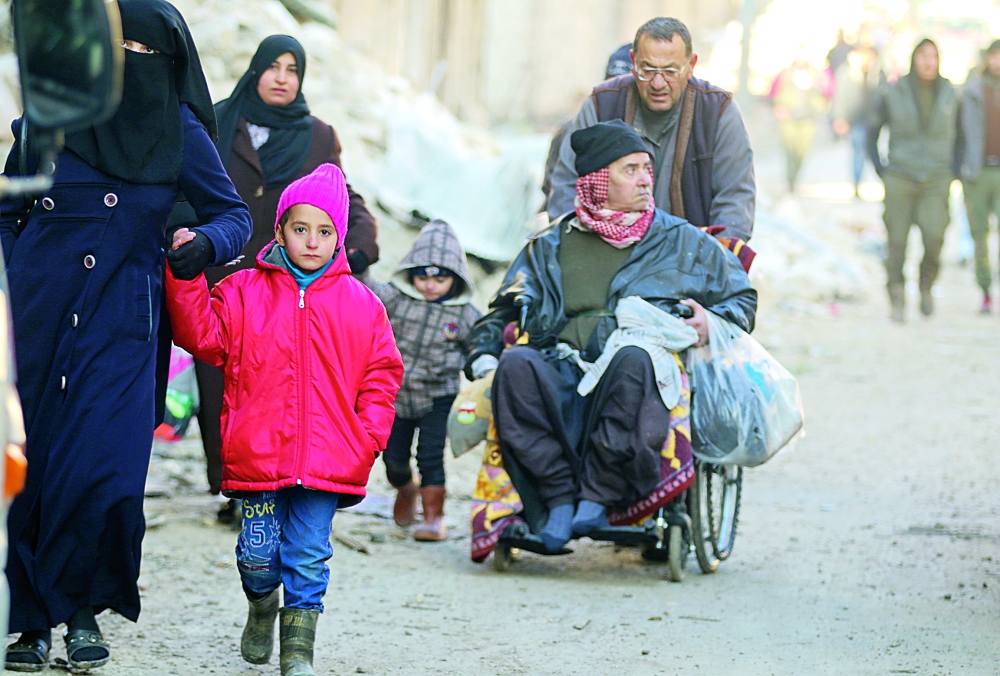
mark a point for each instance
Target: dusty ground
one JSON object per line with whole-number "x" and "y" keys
{"x": 873, "y": 547}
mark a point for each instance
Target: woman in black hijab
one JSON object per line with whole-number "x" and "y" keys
{"x": 267, "y": 139}
{"x": 84, "y": 265}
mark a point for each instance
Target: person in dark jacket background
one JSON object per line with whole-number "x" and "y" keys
{"x": 563, "y": 288}
{"x": 978, "y": 153}
{"x": 268, "y": 139}
{"x": 921, "y": 113}
{"x": 85, "y": 267}
{"x": 857, "y": 80}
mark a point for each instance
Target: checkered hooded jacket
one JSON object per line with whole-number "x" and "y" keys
{"x": 431, "y": 336}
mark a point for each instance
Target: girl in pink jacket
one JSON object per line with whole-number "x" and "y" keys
{"x": 311, "y": 372}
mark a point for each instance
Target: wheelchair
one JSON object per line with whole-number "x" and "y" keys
{"x": 702, "y": 520}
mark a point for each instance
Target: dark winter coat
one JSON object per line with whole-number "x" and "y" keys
{"x": 674, "y": 261}
{"x": 430, "y": 336}
{"x": 919, "y": 152}
{"x": 85, "y": 267}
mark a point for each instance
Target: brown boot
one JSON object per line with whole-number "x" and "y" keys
{"x": 433, "y": 528}
{"x": 897, "y": 301}
{"x": 404, "y": 510}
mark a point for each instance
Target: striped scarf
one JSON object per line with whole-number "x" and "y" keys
{"x": 620, "y": 229}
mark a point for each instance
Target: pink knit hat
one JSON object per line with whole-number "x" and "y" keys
{"x": 326, "y": 189}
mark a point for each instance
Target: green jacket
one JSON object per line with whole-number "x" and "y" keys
{"x": 916, "y": 151}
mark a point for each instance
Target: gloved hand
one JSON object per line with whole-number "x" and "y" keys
{"x": 190, "y": 259}
{"x": 358, "y": 260}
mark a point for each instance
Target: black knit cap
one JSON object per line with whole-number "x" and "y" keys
{"x": 598, "y": 146}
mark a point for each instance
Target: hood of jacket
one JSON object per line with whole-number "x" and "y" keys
{"x": 437, "y": 245}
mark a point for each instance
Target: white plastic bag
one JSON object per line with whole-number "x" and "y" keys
{"x": 745, "y": 406}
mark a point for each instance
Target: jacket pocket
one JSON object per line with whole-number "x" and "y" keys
{"x": 137, "y": 305}
{"x": 144, "y": 308}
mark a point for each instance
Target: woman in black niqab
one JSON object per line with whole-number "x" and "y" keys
{"x": 143, "y": 141}
{"x": 85, "y": 271}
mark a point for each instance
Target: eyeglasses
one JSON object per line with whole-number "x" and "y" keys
{"x": 669, "y": 74}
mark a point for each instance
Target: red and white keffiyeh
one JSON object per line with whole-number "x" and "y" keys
{"x": 618, "y": 228}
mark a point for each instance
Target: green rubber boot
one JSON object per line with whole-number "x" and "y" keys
{"x": 257, "y": 642}
{"x": 298, "y": 636}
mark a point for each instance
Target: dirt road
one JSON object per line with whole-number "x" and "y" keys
{"x": 873, "y": 547}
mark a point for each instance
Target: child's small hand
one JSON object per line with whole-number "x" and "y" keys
{"x": 181, "y": 236}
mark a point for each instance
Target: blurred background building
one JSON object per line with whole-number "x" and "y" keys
{"x": 514, "y": 61}
{"x": 500, "y": 61}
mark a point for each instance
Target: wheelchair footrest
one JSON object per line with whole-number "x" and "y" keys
{"x": 518, "y": 535}
{"x": 631, "y": 536}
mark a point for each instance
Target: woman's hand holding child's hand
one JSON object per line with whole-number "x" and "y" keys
{"x": 190, "y": 253}
{"x": 181, "y": 236}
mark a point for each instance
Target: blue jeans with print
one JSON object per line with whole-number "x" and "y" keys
{"x": 286, "y": 541}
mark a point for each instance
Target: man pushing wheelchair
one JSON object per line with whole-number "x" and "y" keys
{"x": 583, "y": 403}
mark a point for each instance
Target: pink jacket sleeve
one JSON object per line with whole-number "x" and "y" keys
{"x": 201, "y": 322}
{"x": 377, "y": 395}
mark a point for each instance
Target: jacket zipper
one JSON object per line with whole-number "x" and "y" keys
{"x": 303, "y": 379}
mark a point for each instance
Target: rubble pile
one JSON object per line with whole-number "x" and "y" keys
{"x": 804, "y": 259}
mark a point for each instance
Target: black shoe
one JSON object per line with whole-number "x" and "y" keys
{"x": 227, "y": 513}
{"x": 86, "y": 649}
{"x": 29, "y": 653}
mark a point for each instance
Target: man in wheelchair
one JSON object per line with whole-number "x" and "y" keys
{"x": 574, "y": 457}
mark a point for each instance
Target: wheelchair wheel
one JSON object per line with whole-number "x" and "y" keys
{"x": 714, "y": 507}
{"x": 676, "y": 554}
{"x": 504, "y": 556}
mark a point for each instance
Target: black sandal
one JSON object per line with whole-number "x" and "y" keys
{"x": 79, "y": 639}
{"x": 36, "y": 650}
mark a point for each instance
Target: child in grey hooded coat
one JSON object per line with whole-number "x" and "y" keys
{"x": 428, "y": 300}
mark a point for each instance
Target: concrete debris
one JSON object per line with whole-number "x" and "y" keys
{"x": 796, "y": 263}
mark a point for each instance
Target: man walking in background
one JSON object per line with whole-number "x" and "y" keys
{"x": 979, "y": 157}
{"x": 921, "y": 112}
{"x": 702, "y": 161}
{"x": 857, "y": 81}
